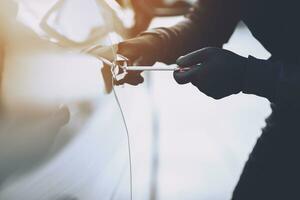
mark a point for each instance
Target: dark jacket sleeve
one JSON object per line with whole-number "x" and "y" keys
{"x": 277, "y": 81}
{"x": 209, "y": 23}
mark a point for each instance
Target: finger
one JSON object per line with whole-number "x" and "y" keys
{"x": 144, "y": 61}
{"x": 131, "y": 78}
{"x": 196, "y": 57}
{"x": 184, "y": 77}
{"x": 134, "y": 79}
{"x": 129, "y": 49}
{"x": 130, "y": 82}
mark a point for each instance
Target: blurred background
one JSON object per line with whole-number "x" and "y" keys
{"x": 63, "y": 136}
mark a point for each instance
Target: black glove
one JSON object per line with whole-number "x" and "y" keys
{"x": 216, "y": 72}
{"x": 142, "y": 50}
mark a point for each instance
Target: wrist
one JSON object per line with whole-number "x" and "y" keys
{"x": 261, "y": 78}
{"x": 161, "y": 42}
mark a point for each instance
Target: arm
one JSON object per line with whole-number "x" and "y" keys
{"x": 219, "y": 73}
{"x": 209, "y": 23}
{"x": 277, "y": 81}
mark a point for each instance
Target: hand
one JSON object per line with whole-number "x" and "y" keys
{"x": 142, "y": 50}
{"x": 216, "y": 72}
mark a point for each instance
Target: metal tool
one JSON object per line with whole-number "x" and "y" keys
{"x": 147, "y": 68}
{"x": 121, "y": 62}
{"x": 156, "y": 68}
{"x": 152, "y": 68}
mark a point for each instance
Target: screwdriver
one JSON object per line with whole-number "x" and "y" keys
{"x": 148, "y": 68}
{"x": 155, "y": 68}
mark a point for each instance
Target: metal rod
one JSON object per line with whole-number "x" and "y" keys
{"x": 149, "y": 68}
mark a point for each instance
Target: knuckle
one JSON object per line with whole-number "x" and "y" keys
{"x": 216, "y": 95}
{"x": 177, "y": 77}
{"x": 179, "y": 81}
{"x": 122, "y": 45}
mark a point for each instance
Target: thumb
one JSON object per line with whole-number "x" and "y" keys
{"x": 197, "y": 57}
{"x": 130, "y": 49}
{"x": 184, "y": 77}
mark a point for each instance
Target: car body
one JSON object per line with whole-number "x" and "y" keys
{"x": 78, "y": 150}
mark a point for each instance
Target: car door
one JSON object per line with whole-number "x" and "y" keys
{"x": 65, "y": 134}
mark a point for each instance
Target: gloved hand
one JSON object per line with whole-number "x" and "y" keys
{"x": 215, "y": 72}
{"x": 142, "y": 50}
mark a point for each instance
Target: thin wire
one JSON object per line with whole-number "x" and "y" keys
{"x": 124, "y": 120}
{"x": 128, "y": 139}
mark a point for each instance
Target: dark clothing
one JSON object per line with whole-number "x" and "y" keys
{"x": 272, "y": 22}
{"x": 273, "y": 168}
